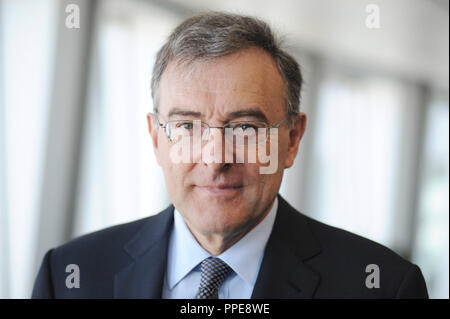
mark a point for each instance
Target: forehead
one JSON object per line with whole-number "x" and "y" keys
{"x": 248, "y": 78}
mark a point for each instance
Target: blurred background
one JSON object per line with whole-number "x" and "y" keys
{"x": 75, "y": 155}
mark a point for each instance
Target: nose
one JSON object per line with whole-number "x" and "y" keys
{"x": 216, "y": 153}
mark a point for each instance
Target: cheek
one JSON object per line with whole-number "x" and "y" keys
{"x": 258, "y": 185}
{"x": 174, "y": 173}
{"x": 177, "y": 174}
{"x": 282, "y": 148}
{"x": 252, "y": 173}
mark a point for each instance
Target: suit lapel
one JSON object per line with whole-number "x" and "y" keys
{"x": 143, "y": 277}
{"x": 283, "y": 273}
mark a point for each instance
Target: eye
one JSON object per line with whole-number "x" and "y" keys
{"x": 245, "y": 129}
{"x": 246, "y": 126}
{"x": 186, "y": 125}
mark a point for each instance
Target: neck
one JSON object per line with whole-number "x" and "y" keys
{"x": 217, "y": 243}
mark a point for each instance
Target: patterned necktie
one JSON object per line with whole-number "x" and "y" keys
{"x": 214, "y": 273}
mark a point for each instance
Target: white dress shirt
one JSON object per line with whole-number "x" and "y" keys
{"x": 185, "y": 254}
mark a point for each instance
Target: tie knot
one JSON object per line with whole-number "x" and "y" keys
{"x": 214, "y": 272}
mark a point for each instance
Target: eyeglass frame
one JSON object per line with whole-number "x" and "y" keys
{"x": 276, "y": 125}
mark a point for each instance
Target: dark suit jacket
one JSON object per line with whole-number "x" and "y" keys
{"x": 303, "y": 259}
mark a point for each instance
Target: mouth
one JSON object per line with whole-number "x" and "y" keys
{"x": 221, "y": 189}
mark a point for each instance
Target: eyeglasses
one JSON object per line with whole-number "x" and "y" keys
{"x": 239, "y": 133}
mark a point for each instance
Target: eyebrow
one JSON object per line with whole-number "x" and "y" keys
{"x": 256, "y": 113}
{"x": 178, "y": 111}
{"x": 248, "y": 112}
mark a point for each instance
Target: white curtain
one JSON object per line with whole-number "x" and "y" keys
{"x": 355, "y": 155}
{"x": 28, "y": 33}
{"x": 431, "y": 249}
{"x": 120, "y": 179}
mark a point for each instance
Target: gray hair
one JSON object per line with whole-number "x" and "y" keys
{"x": 217, "y": 34}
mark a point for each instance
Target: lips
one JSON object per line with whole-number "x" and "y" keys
{"x": 221, "y": 188}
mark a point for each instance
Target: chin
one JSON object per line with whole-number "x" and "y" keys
{"x": 211, "y": 221}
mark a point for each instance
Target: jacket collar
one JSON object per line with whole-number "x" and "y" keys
{"x": 143, "y": 276}
{"x": 291, "y": 242}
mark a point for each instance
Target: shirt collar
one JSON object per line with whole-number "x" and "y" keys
{"x": 244, "y": 257}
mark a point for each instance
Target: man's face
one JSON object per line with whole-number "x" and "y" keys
{"x": 221, "y": 198}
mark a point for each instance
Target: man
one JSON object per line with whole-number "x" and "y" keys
{"x": 222, "y": 84}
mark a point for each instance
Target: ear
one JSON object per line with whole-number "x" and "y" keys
{"x": 153, "y": 129}
{"x": 295, "y": 135}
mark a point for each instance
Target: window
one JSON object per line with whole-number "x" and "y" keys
{"x": 26, "y": 54}
{"x": 120, "y": 179}
{"x": 431, "y": 244}
{"x": 356, "y": 152}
